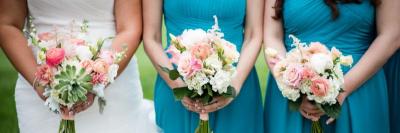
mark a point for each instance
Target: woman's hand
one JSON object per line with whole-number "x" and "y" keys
{"x": 309, "y": 110}
{"x": 82, "y": 106}
{"x": 217, "y": 104}
{"x": 189, "y": 104}
{"x": 39, "y": 91}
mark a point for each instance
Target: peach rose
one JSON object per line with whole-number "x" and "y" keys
{"x": 46, "y": 36}
{"x": 308, "y": 73}
{"x": 201, "y": 51}
{"x": 54, "y": 56}
{"x": 44, "y": 75}
{"x": 319, "y": 86}
{"x": 316, "y": 47}
{"x": 100, "y": 66}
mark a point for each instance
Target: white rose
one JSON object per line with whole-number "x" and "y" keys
{"x": 84, "y": 53}
{"x": 346, "y": 60}
{"x": 191, "y": 37}
{"x": 319, "y": 62}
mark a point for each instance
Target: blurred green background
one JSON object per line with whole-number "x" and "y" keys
{"x": 8, "y": 77}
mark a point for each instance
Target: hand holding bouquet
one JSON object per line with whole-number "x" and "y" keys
{"x": 205, "y": 61}
{"x": 312, "y": 71}
{"x": 71, "y": 67}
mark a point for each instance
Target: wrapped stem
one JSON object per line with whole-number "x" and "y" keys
{"x": 316, "y": 127}
{"x": 204, "y": 126}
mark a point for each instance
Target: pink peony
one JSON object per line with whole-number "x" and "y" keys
{"x": 201, "y": 51}
{"x": 319, "y": 86}
{"x": 44, "y": 75}
{"x": 175, "y": 54}
{"x": 100, "y": 66}
{"x": 99, "y": 78}
{"x": 316, "y": 47}
{"x": 293, "y": 75}
{"x": 46, "y": 36}
{"x": 188, "y": 66}
{"x": 87, "y": 65}
{"x": 77, "y": 41}
{"x": 107, "y": 55}
{"x": 54, "y": 56}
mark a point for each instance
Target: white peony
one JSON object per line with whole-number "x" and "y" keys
{"x": 221, "y": 81}
{"x": 112, "y": 72}
{"x": 320, "y": 62}
{"x": 84, "y": 53}
{"x": 191, "y": 37}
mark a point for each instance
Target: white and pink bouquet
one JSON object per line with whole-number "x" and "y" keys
{"x": 205, "y": 61}
{"x": 312, "y": 71}
{"x": 71, "y": 66}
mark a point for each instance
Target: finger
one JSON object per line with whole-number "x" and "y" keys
{"x": 187, "y": 101}
{"x": 210, "y": 108}
{"x": 304, "y": 114}
{"x": 319, "y": 114}
{"x": 330, "y": 120}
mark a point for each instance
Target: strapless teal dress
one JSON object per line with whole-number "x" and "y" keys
{"x": 244, "y": 114}
{"x": 392, "y": 71}
{"x": 366, "y": 109}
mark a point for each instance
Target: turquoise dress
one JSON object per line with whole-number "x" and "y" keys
{"x": 366, "y": 109}
{"x": 392, "y": 71}
{"x": 244, "y": 114}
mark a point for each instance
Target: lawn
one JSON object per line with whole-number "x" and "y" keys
{"x": 8, "y": 76}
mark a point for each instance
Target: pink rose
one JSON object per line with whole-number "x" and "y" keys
{"x": 188, "y": 66}
{"x": 44, "y": 75}
{"x": 201, "y": 51}
{"x": 46, "y": 36}
{"x": 319, "y": 86}
{"x": 100, "y": 66}
{"x": 99, "y": 78}
{"x": 293, "y": 75}
{"x": 54, "y": 56}
{"x": 77, "y": 41}
{"x": 175, "y": 54}
{"x": 87, "y": 65}
{"x": 308, "y": 73}
{"x": 107, "y": 55}
{"x": 316, "y": 47}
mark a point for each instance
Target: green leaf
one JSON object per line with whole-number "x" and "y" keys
{"x": 179, "y": 93}
{"x": 102, "y": 103}
{"x": 206, "y": 99}
{"x": 294, "y": 105}
{"x": 174, "y": 74}
{"x": 209, "y": 90}
{"x": 231, "y": 92}
{"x": 332, "y": 110}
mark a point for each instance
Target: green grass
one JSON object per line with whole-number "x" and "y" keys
{"x": 8, "y": 76}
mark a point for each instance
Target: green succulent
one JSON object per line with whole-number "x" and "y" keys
{"x": 72, "y": 85}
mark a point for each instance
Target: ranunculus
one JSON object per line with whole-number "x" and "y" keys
{"x": 83, "y": 52}
{"x": 335, "y": 53}
{"x": 54, "y": 56}
{"x": 100, "y": 66}
{"x": 44, "y": 75}
{"x": 87, "y": 65}
{"x": 77, "y": 41}
{"x": 107, "y": 55}
{"x": 293, "y": 76}
{"x": 188, "y": 66}
{"x": 46, "y": 36}
{"x": 175, "y": 54}
{"x": 346, "y": 60}
{"x": 320, "y": 62}
{"x": 319, "y": 86}
{"x": 316, "y": 47}
{"x": 201, "y": 51}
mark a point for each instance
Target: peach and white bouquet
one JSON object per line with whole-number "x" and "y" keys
{"x": 312, "y": 71}
{"x": 206, "y": 63}
{"x": 71, "y": 66}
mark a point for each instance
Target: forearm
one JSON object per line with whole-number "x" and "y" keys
{"x": 374, "y": 58}
{"x": 131, "y": 39}
{"x": 159, "y": 58}
{"x": 14, "y": 44}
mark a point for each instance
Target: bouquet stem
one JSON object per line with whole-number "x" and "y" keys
{"x": 67, "y": 126}
{"x": 316, "y": 127}
{"x": 204, "y": 126}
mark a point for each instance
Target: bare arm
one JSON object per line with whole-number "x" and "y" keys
{"x": 128, "y": 16}
{"x": 152, "y": 40}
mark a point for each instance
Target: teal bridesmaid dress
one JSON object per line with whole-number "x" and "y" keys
{"x": 244, "y": 113}
{"x": 392, "y": 71}
{"x": 366, "y": 109}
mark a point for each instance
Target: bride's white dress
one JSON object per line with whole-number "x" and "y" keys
{"x": 126, "y": 110}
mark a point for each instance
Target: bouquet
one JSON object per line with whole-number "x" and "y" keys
{"x": 312, "y": 71}
{"x": 205, "y": 61}
{"x": 71, "y": 67}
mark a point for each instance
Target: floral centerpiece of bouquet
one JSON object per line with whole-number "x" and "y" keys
{"x": 71, "y": 66}
{"x": 312, "y": 71}
{"x": 205, "y": 61}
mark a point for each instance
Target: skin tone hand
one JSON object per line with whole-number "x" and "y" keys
{"x": 152, "y": 10}
{"x": 249, "y": 52}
